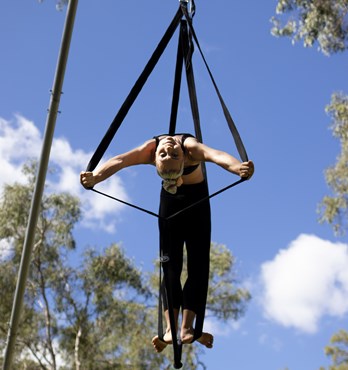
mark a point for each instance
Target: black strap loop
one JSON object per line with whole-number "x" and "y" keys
{"x": 116, "y": 123}
{"x": 126, "y": 203}
{"x": 184, "y": 54}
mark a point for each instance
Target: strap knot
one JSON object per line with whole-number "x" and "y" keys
{"x": 164, "y": 259}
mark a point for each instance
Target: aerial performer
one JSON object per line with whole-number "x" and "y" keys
{"x": 178, "y": 160}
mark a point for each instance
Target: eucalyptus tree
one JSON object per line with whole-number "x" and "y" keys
{"x": 324, "y": 23}
{"x": 98, "y": 311}
{"x": 316, "y": 22}
{"x": 337, "y": 350}
{"x": 53, "y": 239}
{"x": 62, "y": 300}
{"x": 334, "y": 208}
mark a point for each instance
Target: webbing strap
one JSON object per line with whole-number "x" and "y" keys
{"x": 237, "y": 139}
{"x": 185, "y": 49}
{"x": 206, "y": 198}
{"x": 165, "y": 294}
{"x": 126, "y": 203}
{"x": 116, "y": 123}
{"x": 161, "y": 297}
{"x": 165, "y": 290}
{"x": 188, "y": 47}
{"x": 177, "y": 85}
{"x": 134, "y": 93}
{"x": 168, "y": 296}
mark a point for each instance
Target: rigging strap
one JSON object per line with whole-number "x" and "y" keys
{"x": 184, "y": 53}
{"x": 116, "y": 123}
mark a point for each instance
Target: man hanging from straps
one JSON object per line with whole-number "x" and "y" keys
{"x": 178, "y": 159}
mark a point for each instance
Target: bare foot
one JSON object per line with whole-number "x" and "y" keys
{"x": 167, "y": 337}
{"x": 159, "y": 344}
{"x": 187, "y": 335}
{"x": 206, "y": 340}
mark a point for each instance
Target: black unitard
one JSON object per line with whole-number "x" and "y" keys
{"x": 192, "y": 228}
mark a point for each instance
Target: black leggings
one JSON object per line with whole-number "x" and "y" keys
{"x": 192, "y": 228}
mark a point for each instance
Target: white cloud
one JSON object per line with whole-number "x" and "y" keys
{"x": 20, "y": 140}
{"x": 305, "y": 282}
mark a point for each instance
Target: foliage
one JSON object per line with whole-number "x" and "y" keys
{"x": 334, "y": 209}
{"x": 74, "y": 313}
{"x": 325, "y": 22}
{"x": 53, "y": 238}
{"x": 226, "y": 300}
{"x": 98, "y": 312}
{"x": 314, "y": 21}
{"x": 101, "y": 304}
{"x": 338, "y": 351}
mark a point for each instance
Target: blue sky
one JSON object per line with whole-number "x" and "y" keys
{"x": 295, "y": 268}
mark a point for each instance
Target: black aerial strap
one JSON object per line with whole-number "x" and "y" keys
{"x": 116, "y": 123}
{"x": 165, "y": 290}
{"x": 165, "y": 293}
{"x": 188, "y": 45}
{"x": 184, "y": 53}
{"x": 238, "y": 141}
{"x": 177, "y": 85}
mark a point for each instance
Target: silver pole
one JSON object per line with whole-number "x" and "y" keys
{"x": 40, "y": 183}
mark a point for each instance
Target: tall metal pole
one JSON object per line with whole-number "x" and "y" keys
{"x": 40, "y": 183}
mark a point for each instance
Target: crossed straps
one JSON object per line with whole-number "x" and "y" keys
{"x": 187, "y": 40}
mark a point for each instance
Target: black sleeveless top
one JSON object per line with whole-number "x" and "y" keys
{"x": 187, "y": 170}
